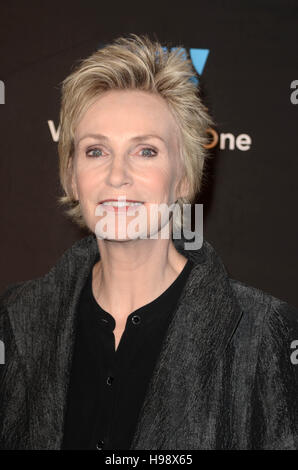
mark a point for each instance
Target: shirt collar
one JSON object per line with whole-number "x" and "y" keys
{"x": 161, "y": 305}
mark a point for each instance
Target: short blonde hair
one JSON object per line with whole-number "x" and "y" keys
{"x": 130, "y": 63}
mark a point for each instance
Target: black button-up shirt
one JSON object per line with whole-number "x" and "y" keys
{"x": 107, "y": 387}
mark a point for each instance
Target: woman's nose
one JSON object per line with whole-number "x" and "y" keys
{"x": 118, "y": 172}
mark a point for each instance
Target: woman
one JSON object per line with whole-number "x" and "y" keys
{"x": 133, "y": 341}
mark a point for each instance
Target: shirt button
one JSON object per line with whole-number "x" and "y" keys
{"x": 110, "y": 380}
{"x": 99, "y": 445}
{"x": 136, "y": 319}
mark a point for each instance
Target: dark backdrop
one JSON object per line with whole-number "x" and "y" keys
{"x": 250, "y": 84}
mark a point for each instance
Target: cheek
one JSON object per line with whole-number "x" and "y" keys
{"x": 87, "y": 181}
{"x": 163, "y": 184}
{"x": 159, "y": 180}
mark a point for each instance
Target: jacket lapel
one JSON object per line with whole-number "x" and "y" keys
{"x": 43, "y": 320}
{"x": 205, "y": 319}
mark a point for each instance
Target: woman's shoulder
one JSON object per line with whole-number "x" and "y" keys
{"x": 69, "y": 262}
{"x": 20, "y": 290}
{"x": 275, "y": 314}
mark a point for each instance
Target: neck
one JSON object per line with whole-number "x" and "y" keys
{"x": 132, "y": 273}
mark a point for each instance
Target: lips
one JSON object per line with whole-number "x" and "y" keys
{"x": 120, "y": 200}
{"x": 122, "y": 205}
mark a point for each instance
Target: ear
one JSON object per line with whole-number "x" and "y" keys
{"x": 74, "y": 186}
{"x": 71, "y": 179}
{"x": 183, "y": 188}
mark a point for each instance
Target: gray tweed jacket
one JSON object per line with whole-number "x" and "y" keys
{"x": 226, "y": 377}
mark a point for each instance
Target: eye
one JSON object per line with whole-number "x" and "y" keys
{"x": 147, "y": 152}
{"x": 98, "y": 152}
{"x": 95, "y": 152}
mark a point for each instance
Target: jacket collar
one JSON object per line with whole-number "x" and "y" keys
{"x": 201, "y": 327}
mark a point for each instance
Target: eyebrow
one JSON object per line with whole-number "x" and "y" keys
{"x": 133, "y": 139}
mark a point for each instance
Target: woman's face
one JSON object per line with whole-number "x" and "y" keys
{"x": 126, "y": 146}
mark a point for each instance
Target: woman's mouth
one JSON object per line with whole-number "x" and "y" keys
{"x": 120, "y": 206}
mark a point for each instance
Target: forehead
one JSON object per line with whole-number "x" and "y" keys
{"x": 128, "y": 112}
